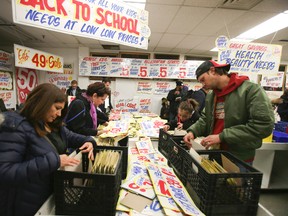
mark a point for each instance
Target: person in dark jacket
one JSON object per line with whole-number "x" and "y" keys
{"x": 187, "y": 116}
{"x": 33, "y": 146}
{"x": 164, "y": 112}
{"x": 82, "y": 112}
{"x": 74, "y": 89}
{"x": 106, "y": 107}
{"x": 282, "y": 106}
{"x": 175, "y": 96}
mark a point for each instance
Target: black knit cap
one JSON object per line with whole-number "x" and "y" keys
{"x": 205, "y": 66}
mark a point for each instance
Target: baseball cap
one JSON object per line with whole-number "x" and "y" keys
{"x": 205, "y": 66}
{"x": 179, "y": 83}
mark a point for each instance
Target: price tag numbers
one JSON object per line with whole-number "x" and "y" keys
{"x": 44, "y": 61}
{"x": 143, "y": 71}
{"x": 162, "y": 72}
{"x": 182, "y": 72}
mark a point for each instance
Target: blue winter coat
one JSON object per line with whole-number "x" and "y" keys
{"x": 27, "y": 164}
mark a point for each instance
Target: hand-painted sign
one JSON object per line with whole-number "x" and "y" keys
{"x": 251, "y": 57}
{"x": 107, "y": 20}
{"x": 5, "y": 61}
{"x": 274, "y": 81}
{"x": 6, "y": 80}
{"x": 9, "y": 99}
{"x": 26, "y": 81}
{"x": 35, "y": 59}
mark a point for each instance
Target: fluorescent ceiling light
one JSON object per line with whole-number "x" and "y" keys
{"x": 274, "y": 24}
{"x": 137, "y": 3}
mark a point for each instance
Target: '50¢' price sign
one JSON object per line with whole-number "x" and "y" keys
{"x": 30, "y": 58}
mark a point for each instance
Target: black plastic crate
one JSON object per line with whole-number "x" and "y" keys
{"x": 173, "y": 148}
{"x": 123, "y": 146}
{"x": 214, "y": 195}
{"x": 73, "y": 198}
{"x": 163, "y": 141}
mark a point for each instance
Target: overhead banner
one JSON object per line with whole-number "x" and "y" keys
{"x": 107, "y": 20}
{"x": 138, "y": 68}
{"x": 251, "y": 57}
{"x": 26, "y": 57}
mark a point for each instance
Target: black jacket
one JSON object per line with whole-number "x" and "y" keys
{"x": 27, "y": 165}
{"x": 69, "y": 91}
{"x": 78, "y": 118}
{"x": 173, "y": 123}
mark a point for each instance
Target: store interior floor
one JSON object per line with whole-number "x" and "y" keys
{"x": 273, "y": 202}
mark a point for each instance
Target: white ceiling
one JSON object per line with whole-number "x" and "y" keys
{"x": 177, "y": 26}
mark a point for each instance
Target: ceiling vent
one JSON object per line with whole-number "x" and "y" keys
{"x": 111, "y": 47}
{"x": 239, "y": 4}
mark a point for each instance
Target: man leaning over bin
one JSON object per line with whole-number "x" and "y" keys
{"x": 237, "y": 114}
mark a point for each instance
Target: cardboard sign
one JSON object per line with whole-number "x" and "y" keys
{"x": 106, "y": 20}
{"x": 251, "y": 57}
{"x": 35, "y": 59}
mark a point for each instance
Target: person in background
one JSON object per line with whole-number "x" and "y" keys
{"x": 33, "y": 146}
{"x": 282, "y": 106}
{"x": 187, "y": 116}
{"x": 106, "y": 107}
{"x": 164, "y": 112}
{"x": 74, "y": 89}
{"x": 82, "y": 113}
{"x": 2, "y": 106}
{"x": 199, "y": 96}
{"x": 237, "y": 114}
{"x": 174, "y": 97}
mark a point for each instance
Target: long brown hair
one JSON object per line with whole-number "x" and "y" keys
{"x": 39, "y": 102}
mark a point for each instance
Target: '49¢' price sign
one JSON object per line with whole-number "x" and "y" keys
{"x": 35, "y": 59}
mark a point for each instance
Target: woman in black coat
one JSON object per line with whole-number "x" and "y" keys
{"x": 33, "y": 146}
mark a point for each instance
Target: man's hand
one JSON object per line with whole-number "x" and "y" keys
{"x": 210, "y": 141}
{"x": 187, "y": 139}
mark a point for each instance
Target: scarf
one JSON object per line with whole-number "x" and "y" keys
{"x": 93, "y": 112}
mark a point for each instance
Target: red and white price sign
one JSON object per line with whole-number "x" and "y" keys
{"x": 182, "y": 72}
{"x": 26, "y": 82}
{"x": 162, "y": 72}
{"x": 30, "y": 58}
{"x": 143, "y": 71}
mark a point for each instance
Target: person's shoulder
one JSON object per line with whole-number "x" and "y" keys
{"x": 12, "y": 120}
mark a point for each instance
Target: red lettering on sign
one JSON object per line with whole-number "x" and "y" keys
{"x": 43, "y": 4}
{"x": 117, "y": 21}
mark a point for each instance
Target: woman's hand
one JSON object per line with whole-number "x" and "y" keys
{"x": 88, "y": 147}
{"x": 102, "y": 131}
{"x": 179, "y": 126}
{"x": 68, "y": 161}
{"x": 166, "y": 128}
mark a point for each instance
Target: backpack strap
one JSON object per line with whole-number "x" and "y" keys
{"x": 78, "y": 114}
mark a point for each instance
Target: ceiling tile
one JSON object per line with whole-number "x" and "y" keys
{"x": 154, "y": 39}
{"x": 160, "y": 16}
{"x": 202, "y": 3}
{"x": 190, "y": 41}
{"x": 187, "y": 19}
{"x": 165, "y": 2}
{"x": 170, "y": 40}
{"x": 216, "y": 21}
